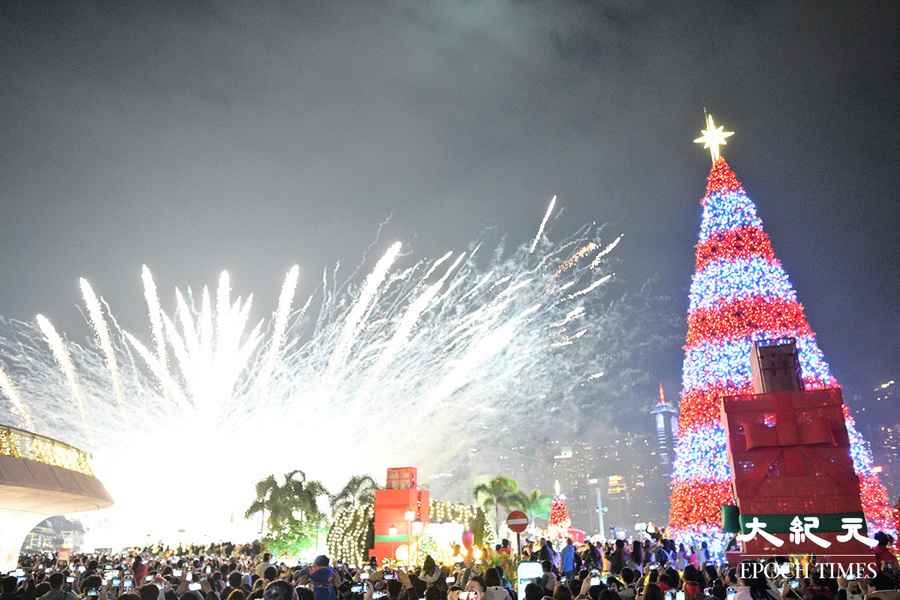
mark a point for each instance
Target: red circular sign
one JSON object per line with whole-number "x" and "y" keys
{"x": 517, "y": 521}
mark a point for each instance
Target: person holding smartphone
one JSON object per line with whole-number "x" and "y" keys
{"x": 57, "y": 589}
{"x": 476, "y": 588}
{"x": 756, "y": 588}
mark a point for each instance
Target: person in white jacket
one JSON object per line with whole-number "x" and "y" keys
{"x": 495, "y": 589}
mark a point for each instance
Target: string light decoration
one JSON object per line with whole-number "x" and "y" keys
{"x": 740, "y": 294}
{"x": 559, "y": 513}
{"x": 559, "y": 520}
{"x": 471, "y": 517}
{"x": 739, "y": 243}
{"x": 897, "y": 522}
{"x": 352, "y": 534}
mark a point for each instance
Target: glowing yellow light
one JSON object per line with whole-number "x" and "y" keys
{"x": 402, "y": 553}
{"x": 713, "y": 136}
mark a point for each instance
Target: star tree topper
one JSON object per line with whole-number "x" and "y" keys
{"x": 713, "y": 136}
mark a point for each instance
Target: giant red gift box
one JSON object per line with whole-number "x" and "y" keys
{"x": 400, "y": 496}
{"x": 790, "y": 455}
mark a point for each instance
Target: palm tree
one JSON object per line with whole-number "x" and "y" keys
{"x": 359, "y": 491}
{"x": 288, "y": 504}
{"x": 535, "y": 504}
{"x": 498, "y": 492}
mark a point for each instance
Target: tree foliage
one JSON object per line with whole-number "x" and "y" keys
{"x": 291, "y": 511}
{"x": 358, "y": 491}
{"x": 499, "y": 492}
{"x": 536, "y": 504}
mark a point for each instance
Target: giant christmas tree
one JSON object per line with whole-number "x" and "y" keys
{"x": 739, "y": 294}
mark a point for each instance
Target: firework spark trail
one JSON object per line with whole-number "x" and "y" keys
{"x": 409, "y": 320}
{"x": 155, "y": 311}
{"x": 282, "y": 315}
{"x": 540, "y": 231}
{"x": 437, "y": 264}
{"x": 58, "y": 349}
{"x": 9, "y": 390}
{"x": 170, "y": 386}
{"x": 361, "y": 307}
{"x": 98, "y": 323}
{"x": 598, "y": 260}
{"x": 575, "y": 258}
{"x": 393, "y": 355}
{"x": 591, "y": 287}
{"x": 223, "y": 306}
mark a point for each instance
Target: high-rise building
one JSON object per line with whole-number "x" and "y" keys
{"x": 886, "y": 394}
{"x": 886, "y": 441}
{"x": 666, "y": 416}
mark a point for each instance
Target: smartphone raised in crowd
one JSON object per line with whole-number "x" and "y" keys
{"x": 194, "y": 587}
{"x": 795, "y": 583}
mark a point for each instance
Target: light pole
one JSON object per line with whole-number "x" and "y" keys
{"x": 409, "y": 516}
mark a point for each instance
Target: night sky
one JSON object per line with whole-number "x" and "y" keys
{"x": 196, "y": 136}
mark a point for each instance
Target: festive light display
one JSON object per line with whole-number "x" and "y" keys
{"x": 742, "y": 242}
{"x": 559, "y": 521}
{"x": 897, "y": 522}
{"x": 739, "y": 294}
{"x": 352, "y": 534}
{"x": 559, "y": 512}
{"x": 712, "y": 137}
{"x": 352, "y": 531}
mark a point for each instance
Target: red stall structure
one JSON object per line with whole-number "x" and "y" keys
{"x": 401, "y": 512}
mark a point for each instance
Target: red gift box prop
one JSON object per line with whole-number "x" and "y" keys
{"x": 790, "y": 455}
{"x": 391, "y": 505}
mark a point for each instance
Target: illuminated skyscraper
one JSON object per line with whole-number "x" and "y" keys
{"x": 886, "y": 441}
{"x": 666, "y": 416}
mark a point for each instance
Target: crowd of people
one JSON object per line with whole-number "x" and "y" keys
{"x": 646, "y": 570}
